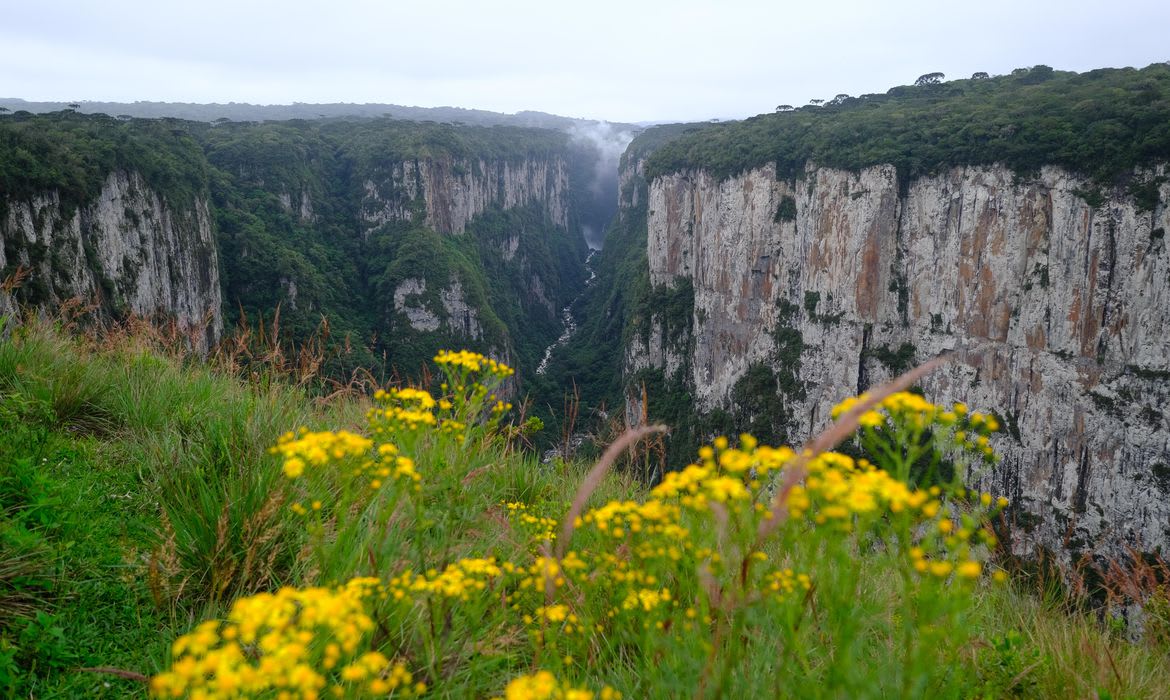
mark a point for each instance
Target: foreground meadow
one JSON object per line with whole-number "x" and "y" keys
{"x": 167, "y": 529}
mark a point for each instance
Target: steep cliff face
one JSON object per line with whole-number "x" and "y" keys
{"x": 454, "y": 190}
{"x": 1057, "y": 312}
{"x": 451, "y": 196}
{"x": 129, "y": 250}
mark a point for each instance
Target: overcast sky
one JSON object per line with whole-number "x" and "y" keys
{"x": 622, "y": 61}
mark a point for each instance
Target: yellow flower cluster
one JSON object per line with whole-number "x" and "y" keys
{"x": 784, "y": 581}
{"x": 407, "y": 397}
{"x": 618, "y": 518}
{"x": 903, "y": 404}
{"x": 543, "y": 685}
{"x": 540, "y": 528}
{"x": 942, "y": 568}
{"x": 558, "y": 617}
{"x": 971, "y": 430}
{"x": 389, "y": 465}
{"x": 459, "y": 580}
{"x": 380, "y": 678}
{"x": 318, "y": 449}
{"x": 292, "y": 643}
{"x": 723, "y": 474}
{"x": 467, "y": 361}
{"x": 837, "y": 488}
{"x": 646, "y": 599}
{"x": 396, "y": 414}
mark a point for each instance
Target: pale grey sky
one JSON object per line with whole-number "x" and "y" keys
{"x": 622, "y": 61}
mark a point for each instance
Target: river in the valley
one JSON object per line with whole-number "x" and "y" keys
{"x": 568, "y": 322}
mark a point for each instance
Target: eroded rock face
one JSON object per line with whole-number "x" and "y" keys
{"x": 449, "y": 192}
{"x": 1057, "y": 312}
{"x": 417, "y": 314}
{"x": 456, "y": 315}
{"x": 129, "y": 251}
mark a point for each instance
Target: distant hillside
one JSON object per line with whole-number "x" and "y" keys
{"x": 243, "y": 112}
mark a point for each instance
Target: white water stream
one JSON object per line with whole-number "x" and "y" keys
{"x": 567, "y": 320}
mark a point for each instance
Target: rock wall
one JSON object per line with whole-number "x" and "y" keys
{"x": 128, "y": 250}
{"x": 448, "y": 192}
{"x": 1057, "y": 312}
{"x": 457, "y": 316}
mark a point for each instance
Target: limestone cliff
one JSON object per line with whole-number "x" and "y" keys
{"x": 460, "y": 319}
{"x": 479, "y": 253}
{"x": 1057, "y": 312}
{"x": 453, "y": 190}
{"x": 128, "y": 250}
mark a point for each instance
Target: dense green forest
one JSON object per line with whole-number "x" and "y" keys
{"x": 73, "y": 154}
{"x": 1101, "y": 123}
{"x": 256, "y": 177}
{"x": 349, "y": 275}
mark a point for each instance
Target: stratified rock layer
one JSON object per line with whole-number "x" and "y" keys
{"x": 129, "y": 251}
{"x": 1057, "y": 313}
{"x": 455, "y": 190}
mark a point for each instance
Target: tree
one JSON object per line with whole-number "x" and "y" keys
{"x": 929, "y": 79}
{"x": 784, "y": 108}
{"x": 839, "y": 99}
{"x": 74, "y": 105}
{"x": 4, "y": 109}
{"x": 1036, "y": 75}
{"x": 815, "y": 101}
{"x": 980, "y": 75}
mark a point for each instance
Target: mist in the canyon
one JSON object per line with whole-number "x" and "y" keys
{"x": 609, "y": 141}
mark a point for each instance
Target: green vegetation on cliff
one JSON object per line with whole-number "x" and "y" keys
{"x": 617, "y": 304}
{"x": 1101, "y": 123}
{"x": 288, "y": 201}
{"x": 347, "y": 272}
{"x": 74, "y": 154}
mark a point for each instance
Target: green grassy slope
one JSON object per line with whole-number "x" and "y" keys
{"x": 137, "y": 496}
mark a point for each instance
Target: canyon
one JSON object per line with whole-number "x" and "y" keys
{"x": 753, "y": 273}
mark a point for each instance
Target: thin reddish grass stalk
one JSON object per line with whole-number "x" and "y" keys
{"x": 596, "y": 474}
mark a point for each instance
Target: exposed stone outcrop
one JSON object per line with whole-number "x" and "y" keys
{"x": 457, "y": 316}
{"x": 304, "y": 209}
{"x": 1058, "y": 314}
{"x": 128, "y": 250}
{"x": 448, "y": 192}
